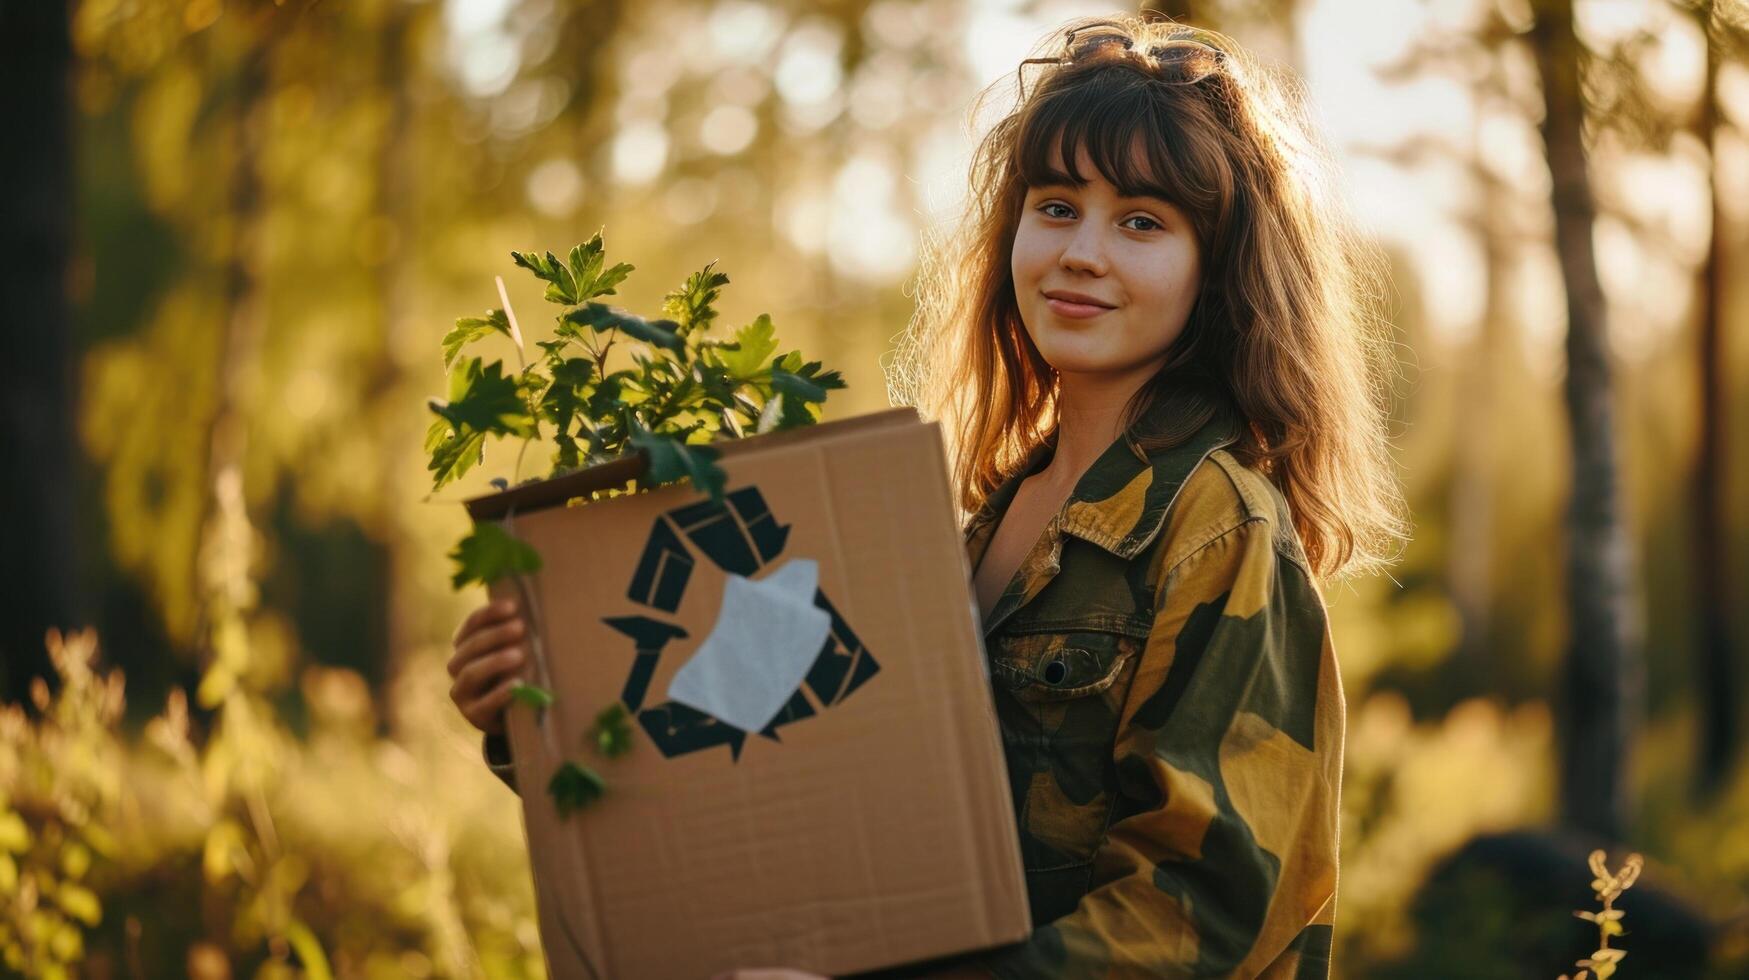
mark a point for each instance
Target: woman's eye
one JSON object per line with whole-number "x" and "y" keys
{"x": 1056, "y": 209}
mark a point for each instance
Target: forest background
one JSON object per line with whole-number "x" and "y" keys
{"x": 234, "y": 233}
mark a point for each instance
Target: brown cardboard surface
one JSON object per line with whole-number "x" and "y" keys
{"x": 876, "y": 831}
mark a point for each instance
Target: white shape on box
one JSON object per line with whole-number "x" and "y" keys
{"x": 767, "y": 635}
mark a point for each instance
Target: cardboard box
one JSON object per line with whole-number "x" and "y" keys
{"x": 870, "y": 823}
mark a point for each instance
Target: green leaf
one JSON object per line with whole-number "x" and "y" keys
{"x": 690, "y": 305}
{"x": 437, "y": 434}
{"x": 674, "y": 398}
{"x": 796, "y": 386}
{"x": 471, "y": 328}
{"x": 564, "y": 287}
{"x": 529, "y": 694}
{"x": 563, "y": 402}
{"x": 754, "y": 343}
{"x": 800, "y": 388}
{"x": 574, "y": 787}
{"x": 585, "y": 260}
{"x": 460, "y": 446}
{"x": 459, "y": 453}
{"x": 672, "y": 460}
{"x": 657, "y": 333}
{"x": 585, "y": 263}
{"x": 797, "y": 412}
{"x": 570, "y": 372}
{"x": 601, "y": 318}
{"x": 613, "y": 731}
{"x": 561, "y": 285}
{"x": 604, "y": 400}
{"x": 567, "y": 455}
{"x": 810, "y": 372}
{"x": 604, "y": 283}
{"x": 489, "y": 554}
{"x": 486, "y": 400}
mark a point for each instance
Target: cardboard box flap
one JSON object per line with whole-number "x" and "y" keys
{"x": 553, "y": 492}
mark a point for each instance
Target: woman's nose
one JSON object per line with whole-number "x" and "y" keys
{"x": 1084, "y": 252}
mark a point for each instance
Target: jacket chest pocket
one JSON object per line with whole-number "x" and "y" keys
{"x": 1059, "y": 696}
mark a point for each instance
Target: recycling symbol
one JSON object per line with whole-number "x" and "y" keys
{"x": 741, "y": 537}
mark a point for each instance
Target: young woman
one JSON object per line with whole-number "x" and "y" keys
{"x": 1151, "y": 341}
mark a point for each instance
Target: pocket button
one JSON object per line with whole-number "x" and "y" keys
{"x": 1055, "y": 671}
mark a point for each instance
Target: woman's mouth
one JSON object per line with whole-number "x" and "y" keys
{"x": 1075, "y": 310}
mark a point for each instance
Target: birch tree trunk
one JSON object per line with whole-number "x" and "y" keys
{"x": 1601, "y": 688}
{"x": 1714, "y": 675}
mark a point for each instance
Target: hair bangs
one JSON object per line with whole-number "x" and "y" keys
{"x": 1129, "y": 133}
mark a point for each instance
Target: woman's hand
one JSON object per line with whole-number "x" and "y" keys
{"x": 488, "y": 655}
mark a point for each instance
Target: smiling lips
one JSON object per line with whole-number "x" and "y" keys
{"x": 1077, "y": 306}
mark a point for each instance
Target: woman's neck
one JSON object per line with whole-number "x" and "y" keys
{"x": 1090, "y": 417}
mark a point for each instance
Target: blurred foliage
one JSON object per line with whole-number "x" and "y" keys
{"x": 282, "y": 205}
{"x": 252, "y": 852}
{"x": 60, "y": 783}
{"x": 1410, "y": 796}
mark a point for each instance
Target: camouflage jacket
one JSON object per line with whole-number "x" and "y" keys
{"x": 1173, "y": 722}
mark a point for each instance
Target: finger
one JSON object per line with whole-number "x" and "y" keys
{"x": 494, "y": 701}
{"x": 484, "y": 641}
{"x": 484, "y": 712}
{"x": 471, "y": 622}
{"x": 485, "y": 615}
{"x": 488, "y": 639}
{"x": 484, "y": 671}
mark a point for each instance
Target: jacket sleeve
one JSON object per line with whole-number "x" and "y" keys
{"x": 1220, "y": 856}
{"x": 496, "y": 749}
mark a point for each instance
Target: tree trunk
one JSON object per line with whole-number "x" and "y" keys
{"x": 1470, "y": 561}
{"x": 228, "y": 583}
{"x": 398, "y": 198}
{"x": 1602, "y": 676}
{"x": 1714, "y": 674}
{"x": 38, "y": 583}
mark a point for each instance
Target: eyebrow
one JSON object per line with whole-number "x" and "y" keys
{"x": 1062, "y": 181}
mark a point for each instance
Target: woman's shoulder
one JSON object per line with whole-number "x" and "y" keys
{"x": 1223, "y": 496}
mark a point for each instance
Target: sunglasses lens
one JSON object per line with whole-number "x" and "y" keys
{"x": 1091, "y": 45}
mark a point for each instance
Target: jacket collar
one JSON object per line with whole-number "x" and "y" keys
{"x": 1120, "y": 503}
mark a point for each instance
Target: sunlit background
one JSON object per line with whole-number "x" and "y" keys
{"x": 276, "y": 211}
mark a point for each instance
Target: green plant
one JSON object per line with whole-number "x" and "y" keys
{"x": 575, "y": 785}
{"x": 682, "y": 392}
{"x": 1608, "y": 885}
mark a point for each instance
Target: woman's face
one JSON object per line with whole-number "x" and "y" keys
{"x": 1104, "y": 283}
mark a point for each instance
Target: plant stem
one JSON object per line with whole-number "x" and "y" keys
{"x": 533, "y": 410}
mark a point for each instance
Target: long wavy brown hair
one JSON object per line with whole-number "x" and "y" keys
{"x": 1285, "y": 330}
